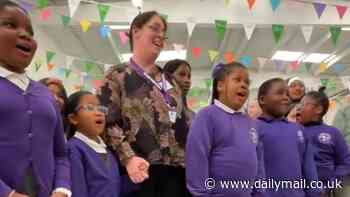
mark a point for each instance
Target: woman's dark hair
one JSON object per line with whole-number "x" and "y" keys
{"x": 7, "y": 3}
{"x": 172, "y": 65}
{"x": 320, "y": 98}
{"x": 220, "y": 72}
{"x": 140, "y": 20}
{"x": 63, "y": 93}
{"x": 73, "y": 103}
{"x": 266, "y": 86}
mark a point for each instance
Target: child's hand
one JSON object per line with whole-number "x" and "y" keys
{"x": 58, "y": 194}
{"x": 18, "y": 195}
{"x": 137, "y": 169}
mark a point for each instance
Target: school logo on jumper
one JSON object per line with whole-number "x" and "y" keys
{"x": 300, "y": 136}
{"x": 325, "y": 138}
{"x": 253, "y": 134}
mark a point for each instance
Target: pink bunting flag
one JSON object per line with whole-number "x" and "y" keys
{"x": 123, "y": 37}
{"x": 97, "y": 84}
{"x": 341, "y": 10}
{"x": 45, "y": 14}
{"x": 197, "y": 52}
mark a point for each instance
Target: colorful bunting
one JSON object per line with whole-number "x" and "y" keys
{"x": 295, "y": 65}
{"x": 307, "y": 32}
{"x": 249, "y": 29}
{"x": 278, "y": 31}
{"x": 332, "y": 104}
{"x": 42, "y": 3}
{"x": 49, "y": 56}
{"x": 65, "y": 20}
{"x": 69, "y": 60}
{"x": 103, "y": 11}
{"x": 221, "y": 26}
{"x": 308, "y": 66}
{"x": 262, "y": 61}
{"x": 251, "y": 4}
{"x": 85, "y": 25}
{"x": 227, "y": 3}
{"x": 335, "y": 33}
{"x": 27, "y": 6}
{"x": 324, "y": 82}
{"x": 246, "y": 60}
{"x": 68, "y": 72}
{"x": 88, "y": 67}
{"x": 208, "y": 83}
{"x": 280, "y": 65}
{"x": 73, "y": 6}
{"x": 97, "y": 84}
{"x": 319, "y": 8}
{"x": 164, "y": 16}
{"x": 323, "y": 67}
{"x": 61, "y": 72}
{"x": 50, "y": 66}
{"x": 213, "y": 54}
{"x": 190, "y": 27}
{"x": 275, "y": 4}
{"x": 37, "y": 64}
{"x": 339, "y": 68}
{"x": 45, "y": 14}
{"x": 105, "y": 31}
{"x": 124, "y": 38}
{"x": 196, "y": 52}
{"x": 229, "y": 57}
{"x": 341, "y": 10}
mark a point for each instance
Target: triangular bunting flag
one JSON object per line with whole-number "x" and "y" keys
{"x": 50, "y": 66}
{"x": 346, "y": 81}
{"x": 61, "y": 72}
{"x": 190, "y": 28}
{"x": 332, "y": 86}
{"x": 196, "y": 52}
{"x": 42, "y": 3}
{"x": 105, "y": 31}
{"x": 295, "y": 65}
{"x": 88, "y": 67}
{"x": 323, "y": 67}
{"x": 65, "y": 20}
{"x": 227, "y": 3}
{"x": 164, "y": 16}
{"x": 49, "y": 56}
{"x": 73, "y": 6}
{"x": 308, "y": 66}
{"x": 262, "y": 62}
{"x": 85, "y": 25}
{"x": 332, "y": 105}
{"x": 124, "y": 38}
{"x": 339, "y": 68}
{"x": 249, "y": 29}
{"x": 68, "y": 72}
{"x": 251, "y": 4}
{"x": 341, "y": 10}
{"x": 324, "y": 82}
{"x": 69, "y": 60}
{"x": 37, "y": 64}
{"x": 275, "y": 4}
{"x": 213, "y": 54}
{"x": 27, "y": 6}
{"x": 208, "y": 83}
{"x": 220, "y": 26}
{"x": 246, "y": 60}
{"x": 45, "y": 14}
{"x": 335, "y": 33}
{"x": 319, "y": 8}
{"x": 277, "y": 32}
{"x": 280, "y": 65}
{"x": 229, "y": 57}
{"x": 307, "y": 32}
{"x": 103, "y": 10}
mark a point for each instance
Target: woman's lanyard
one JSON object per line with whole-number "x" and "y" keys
{"x": 162, "y": 88}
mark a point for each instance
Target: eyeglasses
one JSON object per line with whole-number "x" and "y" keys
{"x": 93, "y": 108}
{"x": 157, "y": 30}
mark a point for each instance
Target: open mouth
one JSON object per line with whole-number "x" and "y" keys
{"x": 100, "y": 122}
{"x": 241, "y": 94}
{"x": 157, "y": 43}
{"x": 24, "y": 48}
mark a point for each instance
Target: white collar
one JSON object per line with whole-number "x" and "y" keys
{"x": 19, "y": 79}
{"x": 6, "y": 73}
{"x": 226, "y": 108}
{"x": 97, "y": 147}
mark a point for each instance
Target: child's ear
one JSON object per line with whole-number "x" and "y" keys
{"x": 261, "y": 100}
{"x": 73, "y": 119}
{"x": 135, "y": 31}
{"x": 220, "y": 86}
{"x": 319, "y": 110}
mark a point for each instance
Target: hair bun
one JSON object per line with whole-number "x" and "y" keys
{"x": 216, "y": 70}
{"x": 322, "y": 89}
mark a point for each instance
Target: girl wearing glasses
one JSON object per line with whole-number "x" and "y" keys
{"x": 333, "y": 156}
{"x": 94, "y": 170}
{"x": 145, "y": 106}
